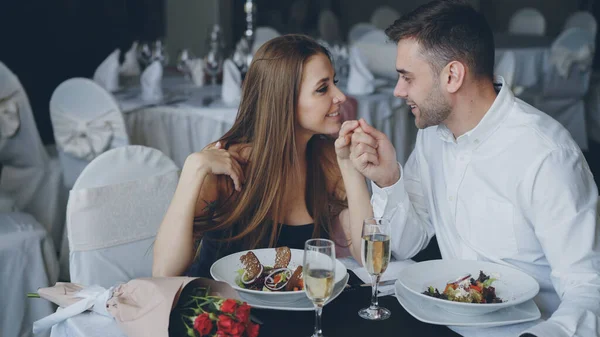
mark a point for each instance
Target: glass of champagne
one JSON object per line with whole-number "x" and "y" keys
{"x": 375, "y": 258}
{"x": 319, "y": 275}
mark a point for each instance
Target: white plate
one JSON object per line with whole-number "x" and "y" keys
{"x": 512, "y": 285}
{"x": 302, "y": 304}
{"x": 226, "y": 269}
{"x": 429, "y": 313}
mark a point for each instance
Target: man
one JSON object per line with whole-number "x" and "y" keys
{"x": 494, "y": 178}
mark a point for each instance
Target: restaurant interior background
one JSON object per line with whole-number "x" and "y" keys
{"x": 50, "y": 41}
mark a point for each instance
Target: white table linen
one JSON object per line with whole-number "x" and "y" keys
{"x": 28, "y": 262}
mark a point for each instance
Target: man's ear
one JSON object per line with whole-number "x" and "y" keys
{"x": 453, "y": 76}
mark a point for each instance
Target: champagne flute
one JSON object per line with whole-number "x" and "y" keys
{"x": 319, "y": 275}
{"x": 375, "y": 258}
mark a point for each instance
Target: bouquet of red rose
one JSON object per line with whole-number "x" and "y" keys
{"x": 198, "y": 314}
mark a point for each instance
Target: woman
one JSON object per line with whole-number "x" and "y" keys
{"x": 273, "y": 179}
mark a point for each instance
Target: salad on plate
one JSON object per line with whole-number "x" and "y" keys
{"x": 469, "y": 290}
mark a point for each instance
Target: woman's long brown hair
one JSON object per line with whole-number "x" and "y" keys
{"x": 266, "y": 121}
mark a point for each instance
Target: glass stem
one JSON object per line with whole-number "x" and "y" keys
{"x": 318, "y": 331}
{"x": 374, "y": 285}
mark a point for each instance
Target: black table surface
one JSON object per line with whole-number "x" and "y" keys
{"x": 340, "y": 318}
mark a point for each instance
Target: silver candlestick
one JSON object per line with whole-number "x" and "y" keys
{"x": 250, "y": 9}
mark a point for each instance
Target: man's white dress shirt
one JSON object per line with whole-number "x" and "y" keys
{"x": 514, "y": 190}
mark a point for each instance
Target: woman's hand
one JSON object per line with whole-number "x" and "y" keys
{"x": 216, "y": 160}
{"x": 344, "y": 140}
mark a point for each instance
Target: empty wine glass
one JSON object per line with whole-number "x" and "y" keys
{"x": 144, "y": 54}
{"x": 319, "y": 275}
{"x": 159, "y": 53}
{"x": 375, "y": 254}
{"x": 213, "y": 64}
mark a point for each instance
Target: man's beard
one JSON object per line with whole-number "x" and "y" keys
{"x": 434, "y": 109}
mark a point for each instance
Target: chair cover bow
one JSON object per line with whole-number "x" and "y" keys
{"x": 85, "y": 139}
{"x": 9, "y": 117}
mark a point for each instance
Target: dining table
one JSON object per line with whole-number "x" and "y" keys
{"x": 339, "y": 318}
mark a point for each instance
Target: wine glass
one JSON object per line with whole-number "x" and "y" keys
{"x": 319, "y": 275}
{"x": 213, "y": 64}
{"x": 375, "y": 256}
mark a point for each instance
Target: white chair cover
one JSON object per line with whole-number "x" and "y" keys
{"x": 262, "y": 35}
{"x": 582, "y": 19}
{"x": 574, "y": 46}
{"x": 527, "y": 21}
{"x": 86, "y": 121}
{"x": 379, "y": 53}
{"x": 329, "y": 26}
{"x": 506, "y": 67}
{"x": 28, "y": 260}
{"x": 384, "y": 16}
{"x": 113, "y": 214}
{"x": 358, "y": 30}
{"x": 30, "y": 176}
{"x": 565, "y": 82}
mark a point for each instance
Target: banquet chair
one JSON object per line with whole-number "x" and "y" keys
{"x": 527, "y": 21}
{"x": 384, "y": 16}
{"x": 329, "y": 26}
{"x": 28, "y": 260}
{"x": 565, "y": 82}
{"x": 358, "y": 30}
{"x": 113, "y": 214}
{"x": 30, "y": 176}
{"x": 262, "y": 35}
{"x": 86, "y": 121}
{"x": 582, "y": 19}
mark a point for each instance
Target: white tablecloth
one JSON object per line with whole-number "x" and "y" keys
{"x": 190, "y": 118}
{"x": 28, "y": 262}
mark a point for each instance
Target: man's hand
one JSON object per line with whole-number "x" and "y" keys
{"x": 372, "y": 154}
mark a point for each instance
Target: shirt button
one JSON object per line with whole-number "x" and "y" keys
{"x": 451, "y": 198}
{"x": 476, "y": 141}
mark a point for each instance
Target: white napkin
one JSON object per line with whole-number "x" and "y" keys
{"x": 130, "y": 66}
{"x": 197, "y": 71}
{"x": 93, "y": 298}
{"x": 151, "y": 82}
{"x": 231, "y": 91}
{"x": 107, "y": 73}
{"x": 360, "y": 78}
{"x": 391, "y": 273}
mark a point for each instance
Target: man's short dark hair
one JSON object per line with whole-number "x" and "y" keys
{"x": 449, "y": 30}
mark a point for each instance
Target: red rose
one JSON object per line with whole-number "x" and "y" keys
{"x": 252, "y": 330}
{"x": 228, "y": 326}
{"x": 243, "y": 312}
{"x": 203, "y": 324}
{"x": 229, "y": 306}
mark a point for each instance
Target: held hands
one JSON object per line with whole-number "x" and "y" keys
{"x": 370, "y": 152}
{"x": 216, "y": 160}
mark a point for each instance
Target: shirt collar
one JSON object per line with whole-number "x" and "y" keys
{"x": 490, "y": 121}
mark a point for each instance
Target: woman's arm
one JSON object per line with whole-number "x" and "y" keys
{"x": 174, "y": 245}
{"x": 359, "y": 203}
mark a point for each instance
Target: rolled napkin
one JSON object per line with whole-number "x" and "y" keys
{"x": 130, "y": 66}
{"x": 360, "y": 78}
{"x": 231, "y": 91}
{"x": 141, "y": 307}
{"x": 151, "y": 82}
{"x": 9, "y": 116}
{"x": 196, "y": 67}
{"x": 107, "y": 73}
